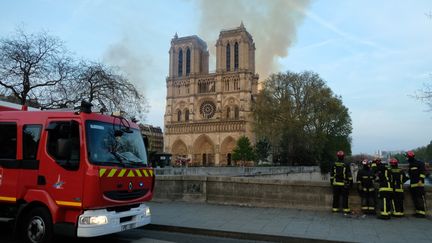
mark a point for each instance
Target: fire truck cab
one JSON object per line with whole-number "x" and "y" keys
{"x": 77, "y": 173}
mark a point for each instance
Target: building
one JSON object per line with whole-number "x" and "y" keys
{"x": 206, "y": 112}
{"x": 155, "y": 137}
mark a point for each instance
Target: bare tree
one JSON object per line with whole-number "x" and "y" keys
{"x": 31, "y": 62}
{"x": 102, "y": 85}
{"x": 425, "y": 95}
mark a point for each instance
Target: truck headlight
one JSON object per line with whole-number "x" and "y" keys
{"x": 147, "y": 212}
{"x": 93, "y": 220}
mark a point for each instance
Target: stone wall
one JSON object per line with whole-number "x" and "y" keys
{"x": 256, "y": 192}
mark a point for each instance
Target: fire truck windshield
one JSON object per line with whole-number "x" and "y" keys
{"x": 106, "y": 146}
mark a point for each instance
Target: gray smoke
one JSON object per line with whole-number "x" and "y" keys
{"x": 273, "y": 25}
{"x": 125, "y": 55}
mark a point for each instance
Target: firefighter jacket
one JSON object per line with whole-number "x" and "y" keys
{"x": 398, "y": 178}
{"x": 384, "y": 178}
{"x": 366, "y": 178}
{"x": 340, "y": 174}
{"x": 417, "y": 173}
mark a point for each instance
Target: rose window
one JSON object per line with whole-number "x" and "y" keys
{"x": 207, "y": 109}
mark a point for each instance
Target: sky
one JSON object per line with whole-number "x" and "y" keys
{"x": 374, "y": 54}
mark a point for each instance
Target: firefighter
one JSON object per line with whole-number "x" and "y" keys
{"x": 417, "y": 174}
{"x": 398, "y": 178}
{"x": 385, "y": 189}
{"x": 366, "y": 189}
{"x": 341, "y": 181}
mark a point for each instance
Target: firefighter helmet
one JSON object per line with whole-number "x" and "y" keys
{"x": 340, "y": 154}
{"x": 410, "y": 154}
{"x": 393, "y": 161}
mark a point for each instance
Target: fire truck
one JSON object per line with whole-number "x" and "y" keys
{"x": 77, "y": 173}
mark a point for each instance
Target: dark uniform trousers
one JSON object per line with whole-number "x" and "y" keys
{"x": 418, "y": 195}
{"x": 340, "y": 192}
{"x": 417, "y": 177}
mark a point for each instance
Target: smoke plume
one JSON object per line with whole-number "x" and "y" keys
{"x": 272, "y": 24}
{"x": 124, "y": 54}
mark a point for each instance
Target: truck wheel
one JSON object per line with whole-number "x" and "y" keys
{"x": 37, "y": 226}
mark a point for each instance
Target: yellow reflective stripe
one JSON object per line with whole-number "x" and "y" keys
{"x": 422, "y": 176}
{"x": 338, "y": 183}
{"x": 365, "y": 208}
{"x": 420, "y": 212}
{"x": 145, "y": 173}
{"x": 393, "y": 204}
{"x": 151, "y": 172}
{"x": 413, "y": 168}
{"x": 102, "y": 172}
{"x": 112, "y": 172}
{"x": 399, "y": 190}
{"x": 9, "y": 199}
{"x": 385, "y": 189}
{"x": 371, "y": 208}
{"x": 346, "y": 210}
{"x": 398, "y": 214}
{"x": 65, "y": 203}
{"x": 122, "y": 172}
{"x": 131, "y": 174}
{"x": 138, "y": 173}
{"x": 335, "y": 209}
{"x": 385, "y": 207}
{"x": 417, "y": 185}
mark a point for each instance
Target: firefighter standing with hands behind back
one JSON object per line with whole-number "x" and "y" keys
{"x": 385, "y": 190}
{"x": 341, "y": 181}
{"x": 398, "y": 178}
{"x": 417, "y": 175}
{"x": 366, "y": 189}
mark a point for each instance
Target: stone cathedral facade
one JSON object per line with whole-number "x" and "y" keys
{"x": 207, "y": 112}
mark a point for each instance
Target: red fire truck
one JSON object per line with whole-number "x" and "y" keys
{"x": 72, "y": 172}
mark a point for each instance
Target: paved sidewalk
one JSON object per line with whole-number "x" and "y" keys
{"x": 298, "y": 224}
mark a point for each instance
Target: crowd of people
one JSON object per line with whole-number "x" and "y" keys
{"x": 380, "y": 186}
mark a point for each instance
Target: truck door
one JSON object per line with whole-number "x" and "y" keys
{"x": 9, "y": 169}
{"x": 63, "y": 166}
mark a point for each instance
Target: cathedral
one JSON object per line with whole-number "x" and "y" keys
{"x": 206, "y": 113}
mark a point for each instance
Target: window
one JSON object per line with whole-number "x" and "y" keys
{"x": 31, "y": 137}
{"x": 188, "y": 60}
{"x": 8, "y": 140}
{"x": 187, "y": 115}
{"x": 236, "y": 56}
{"x": 228, "y": 113}
{"x": 64, "y": 143}
{"x": 236, "y": 85}
{"x": 227, "y": 85}
{"x": 115, "y": 145}
{"x": 236, "y": 113}
{"x": 179, "y": 115}
{"x": 228, "y": 57}
{"x": 180, "y": 63}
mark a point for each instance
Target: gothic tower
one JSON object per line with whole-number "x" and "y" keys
{"x": 207, "y": 112}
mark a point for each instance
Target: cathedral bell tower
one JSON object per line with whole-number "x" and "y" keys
{"x": 206, "y": 113}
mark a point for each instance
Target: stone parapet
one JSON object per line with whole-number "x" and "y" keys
{"x": 257, "y": 192}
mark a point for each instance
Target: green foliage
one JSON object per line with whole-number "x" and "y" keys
{"x": 262, "y": 149}
{"x": 325, "y": 166}
{"x": 302, "y": 119}
{"x": 422, "y": 153}
{"x": 243, "y": 150}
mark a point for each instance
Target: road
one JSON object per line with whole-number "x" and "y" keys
{"x": 131, "y": 236}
